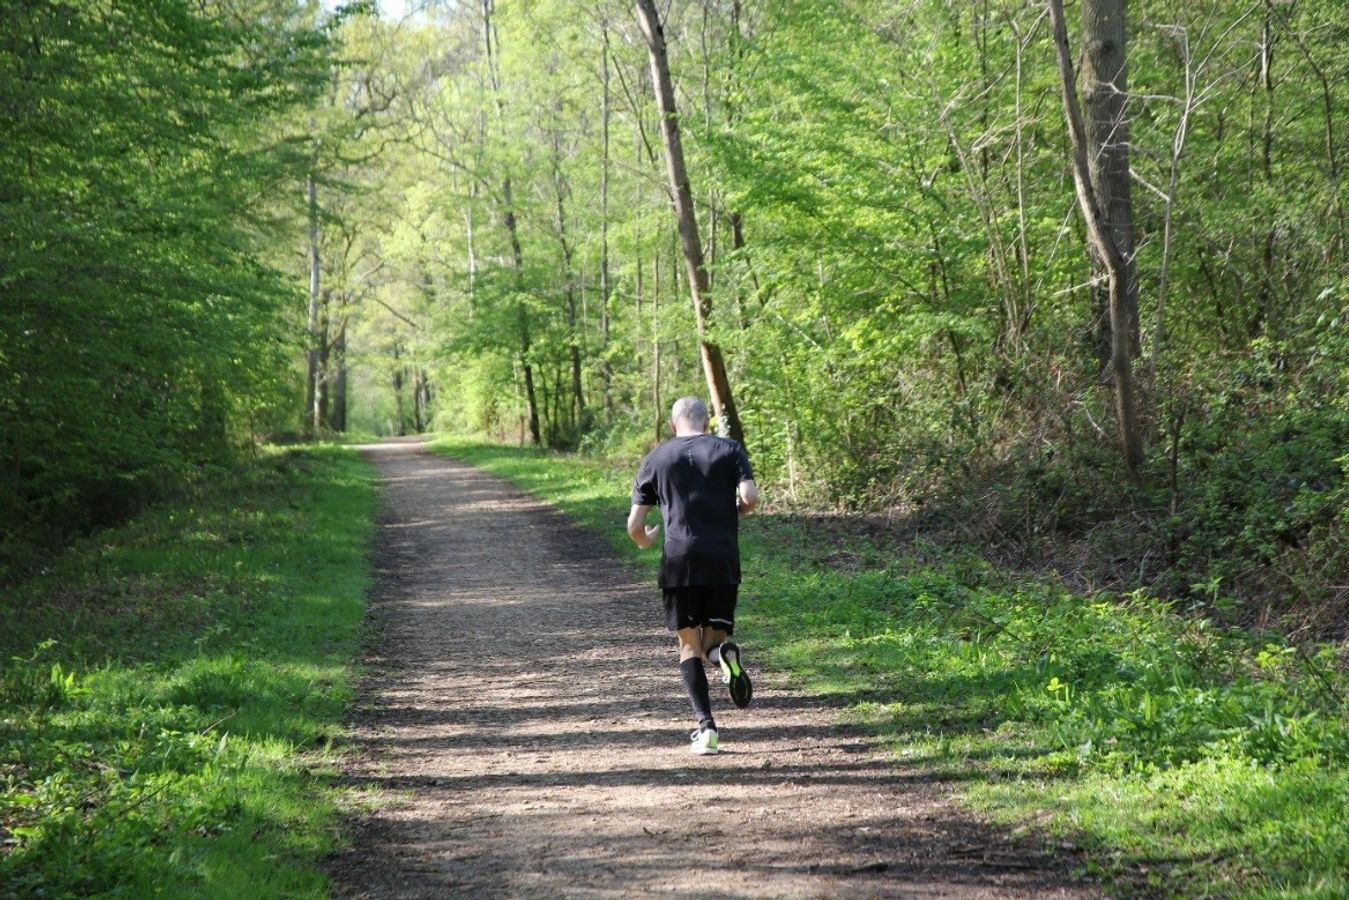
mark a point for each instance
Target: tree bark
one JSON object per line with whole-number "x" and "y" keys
{"x": 339, "y": 398}
{"x": 607, "y": 369}
{"x": 419, "y": 411}
{"x": 401, "y": 428}
{"x": 1178, "y": 139}
{"x": 522, "y": 316}
{"x": 737, "y": 224}
{"x": 513, "y": 231}
{"x": 1102, "y": 240}
{"x": 1265, "y": 313}
{"x": 569, "y": 280}
{"x": 311, "y": 413}
{"x": 471, "y": 251}
{"x": 426, "y": 398}
{"x": 658, "y": 414}
{"x": 681, "y": 194}
{"x": 1105, "y": 87}
{"x": 323, "y": 376}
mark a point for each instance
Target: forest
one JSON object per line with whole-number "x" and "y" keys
{"x": 1060, "y": 287}
{"x": 256, "y": 219}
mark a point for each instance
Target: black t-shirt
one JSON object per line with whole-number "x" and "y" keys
{"x": 693, "y": 480}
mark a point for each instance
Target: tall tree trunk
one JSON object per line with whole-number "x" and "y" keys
{"x": 1105, "y": 87}
{"x": 323, "y": 376}
{"x": 569, "y": 279}
{"x": 418, "y": 408}
{"x": 1178, "y": 138}
{"x": 639, "y": 287}
{"x": 1268, "y": 257}
{"x": 1102, "y": 239}
{"x": 737, "y": 224}
{"x": 607, "y": 369}
{"x": 658, "y": 413}
{"x": 512, "y": 229}
{"x": 714, "y": 368}
{"x": 398, "y": 379}
{"x": 312, "y": 352}
{"x": 425, "y": 380}
{"x": 339, "y": 398}
{"x": 522, "y": 317}
{"x": 471, "y": 250}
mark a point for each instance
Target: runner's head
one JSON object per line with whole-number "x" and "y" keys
{"x": 689, "y": 416}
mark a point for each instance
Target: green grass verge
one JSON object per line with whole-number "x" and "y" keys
{"x": 172, "y": 687}
{"x": 1182, "y": 756}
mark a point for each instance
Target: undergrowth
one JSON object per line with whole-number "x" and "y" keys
{"x": 1245, "y": 501}
{"x": 171, "y": 688}
{"x": 1183, "y": 756}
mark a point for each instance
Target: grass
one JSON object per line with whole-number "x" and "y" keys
{"x": 1182, "y": 756}
{"x": 172, "y": 687}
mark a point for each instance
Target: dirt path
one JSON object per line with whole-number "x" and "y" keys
{"x": 524, "y": 728}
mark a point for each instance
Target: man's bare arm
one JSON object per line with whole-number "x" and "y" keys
{"x": 642, "y": 535}
{"x": 747, "y": 497}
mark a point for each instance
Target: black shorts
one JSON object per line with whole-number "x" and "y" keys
{"x": 698, "y": 605}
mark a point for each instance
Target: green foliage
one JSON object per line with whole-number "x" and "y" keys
{"x": 141, "y": 336}
{"x": 1183, "y": 756}
{"x": 910, "y": 321}
{"x": 1263, "y": 475}
{"x": 171, "y": 688}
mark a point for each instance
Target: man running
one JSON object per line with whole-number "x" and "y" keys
{"x": 702, "y": 484}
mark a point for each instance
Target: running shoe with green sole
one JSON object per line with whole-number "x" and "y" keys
{"x": 733, "y": 675}
{"x": 703, "y": 741}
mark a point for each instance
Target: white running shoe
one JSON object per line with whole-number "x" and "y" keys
{"x": 703, "y": 741}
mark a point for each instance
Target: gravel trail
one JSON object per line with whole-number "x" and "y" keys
{"x": 522, "y": 731}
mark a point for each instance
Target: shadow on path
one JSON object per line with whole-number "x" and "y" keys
{"x": 522, "y": 732}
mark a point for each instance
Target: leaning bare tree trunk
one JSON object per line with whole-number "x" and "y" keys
{"x": 1102, "y": 241}
{"x": 714, "y": 368}
{"x": 1105, "y": 86}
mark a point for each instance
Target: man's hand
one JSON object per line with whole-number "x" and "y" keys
{"x": 746, "y": 496}
{"x": 642, "y": 534}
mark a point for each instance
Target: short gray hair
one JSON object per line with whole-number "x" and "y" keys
{"x": 690, "y": 410}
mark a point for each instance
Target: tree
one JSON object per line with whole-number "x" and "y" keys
{"x": 313, "y": 419}
{"x": 1107, "y": 17}
{"x": 1105, "y": 92}
{"x": 142, "y": 332}
{"x": 681, "y": 195}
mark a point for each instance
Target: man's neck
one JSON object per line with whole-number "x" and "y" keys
{"x": 688, "y": 432}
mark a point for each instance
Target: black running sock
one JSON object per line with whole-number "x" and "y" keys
{"x": 695, "y": 682}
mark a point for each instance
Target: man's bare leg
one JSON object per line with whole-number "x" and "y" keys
{"x": 691, "y": 669}
{"x": 690, "y": 643}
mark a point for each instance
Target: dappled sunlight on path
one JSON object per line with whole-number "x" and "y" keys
{"x": 522, "y": 729}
